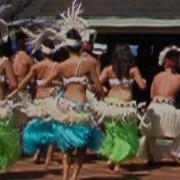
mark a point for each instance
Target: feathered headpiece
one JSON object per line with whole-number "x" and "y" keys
{"x": 3, "y": 30}
{"x": 72, "y": 20}
{"x": 4, "y": 24}
{"x": 164, "y": 52}
{"x": 37, "y": 39}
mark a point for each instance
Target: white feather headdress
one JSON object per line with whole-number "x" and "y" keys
{"x": 3, "y": 23}
{"x": 72, "y": 20}
{"x": 3, "y": 29}
{"x": 37, "y": 39}
{"x": 164, "y": 52}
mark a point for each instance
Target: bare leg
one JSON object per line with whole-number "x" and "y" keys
{"x": 49, "y": 155}
{"x": 117, "y": 168}
{"x": 66, "y": 165}
{"x": 110, "y": 164}
{"x": 36, "y": 157}
{"x": 151, "y": 143}
{"x": 175, "y": 150}
{"x": 78, "y": 163}
{"x": 176, "y": 159}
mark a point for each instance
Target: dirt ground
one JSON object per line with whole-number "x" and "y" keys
{"x": 94, "y": 169}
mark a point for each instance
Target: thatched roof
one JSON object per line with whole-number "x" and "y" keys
{"x": 104, "y": 14}
{"x": 161, "y": 9}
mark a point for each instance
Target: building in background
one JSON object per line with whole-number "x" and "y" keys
{"x": 150, "y": 24}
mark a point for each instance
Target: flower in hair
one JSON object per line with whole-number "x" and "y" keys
{"x": 164, "y": 52}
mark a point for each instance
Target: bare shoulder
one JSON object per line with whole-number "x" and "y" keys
{"x": 20, "y": 53}
{"x": 26, "y": 59}
{"x": 91, "y": 58}
{"x": 158, "y": 76}
{"x": 85, "y": 55}
{"x": 90, "y": 61}
{"x": 178, "y": 77}
{"x": 107, "y": 70}
{"x": 6, "y": 64}
{"x": 35, "y": 67}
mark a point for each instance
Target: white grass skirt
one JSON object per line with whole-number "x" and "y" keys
{"x": 163, "y": 121}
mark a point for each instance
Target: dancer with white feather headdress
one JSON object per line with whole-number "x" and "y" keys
{"x": 75, "y": 128}
{"x": 162, "y": 118}
{"x": 38, "y": 133}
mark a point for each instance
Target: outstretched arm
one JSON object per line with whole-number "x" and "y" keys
{"x": 56, "y": 72}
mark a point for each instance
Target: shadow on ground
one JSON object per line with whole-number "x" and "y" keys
{"x": 29, "y": 174}
{"x": 123, "y": 177}
{"x": 146, "y": 167}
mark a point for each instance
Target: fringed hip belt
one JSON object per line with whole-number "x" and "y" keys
{"x": 161, "y": 99}
{"x": 114, "y": 108}
{"x": 23, "y": 98}
{"x": 6, "y": 109}
{"x": 59, "y": 109}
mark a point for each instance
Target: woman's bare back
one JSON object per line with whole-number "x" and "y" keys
{"x": 21, "y": 64}
{"x": 165, "y": 84}
{"x": 76, "y": 91}
{"x": 42, "y": 71}
{"x": 123, "y": 92}
{"x": 6, "y": 71}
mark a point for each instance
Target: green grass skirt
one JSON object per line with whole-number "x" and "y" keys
{"x": 9, "y": 144}
{"x": 121, "y": 140}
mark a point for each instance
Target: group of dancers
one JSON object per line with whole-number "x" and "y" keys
{"x": 75, "y": 107}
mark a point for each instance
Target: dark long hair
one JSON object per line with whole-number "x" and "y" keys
{"x": 50, "y": 44}
{"x": 5, "y": 49}
{"x": 122, "y": 61}
{"x": 174, "y": 55}
{"x": 74, "y": 35}
{"x": 60, "y": 55}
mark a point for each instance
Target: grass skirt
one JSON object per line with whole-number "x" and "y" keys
{"x": 121, "y": 140}
{"x": 161, "y": 120}
{"x": 69, "y": 127}
{"x": 9, "y": 144}
{"x": 71, "y": 136}
{"x": 21, "y": 119}
{"x": 39, "y": 133}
